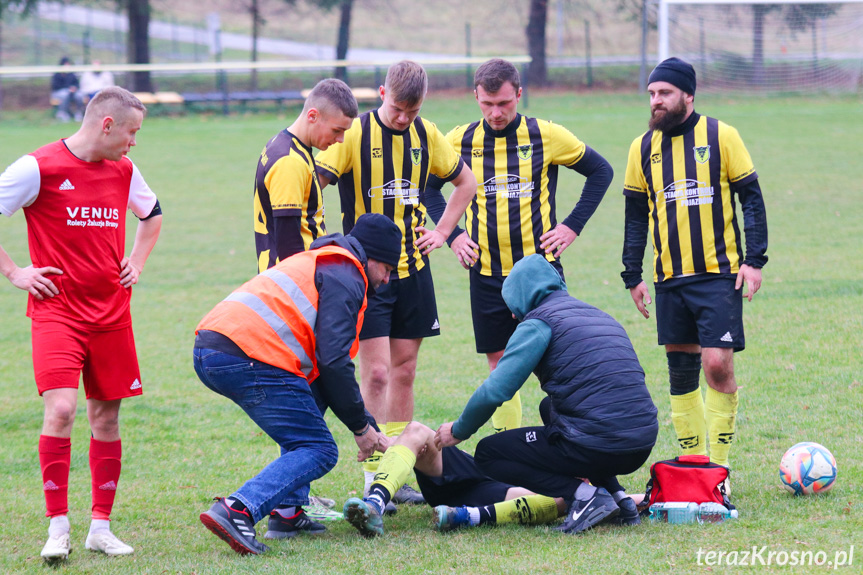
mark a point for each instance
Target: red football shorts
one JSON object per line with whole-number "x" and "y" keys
{"x": 61, "y": 352}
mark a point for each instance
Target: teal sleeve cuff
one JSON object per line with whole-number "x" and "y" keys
{"x": 522, "y": 354}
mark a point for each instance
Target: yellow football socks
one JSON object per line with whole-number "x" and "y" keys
{"x": 720, "y": 410}
{"x": 527, "y": 510}
{"x": 370, "y": 464}
{"x": 395, "y": 428}
{"x": 395, "y": 467}
{"x": 687, "y": 415}
{"x": 508, "y": 415}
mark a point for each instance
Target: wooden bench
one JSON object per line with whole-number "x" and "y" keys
{"x": 241, "y": 97}
{"x": 152, "y": 98}
{"x": 147, "y": 98}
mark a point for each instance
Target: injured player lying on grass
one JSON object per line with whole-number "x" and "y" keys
{"x": 451, "y": 482}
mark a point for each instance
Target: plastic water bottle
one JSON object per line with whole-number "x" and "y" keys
{"x": 676, "y": 512}
{"x": 683, "y": 512}
{"x": 713, "y": 512}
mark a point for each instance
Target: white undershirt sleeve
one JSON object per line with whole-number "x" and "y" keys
{"x": 19, "y": 185}
{"x": 141, "y": 197}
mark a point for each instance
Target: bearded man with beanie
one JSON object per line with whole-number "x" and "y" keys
{"x": 294, "y": 324}
{"x": 683, "y": 180}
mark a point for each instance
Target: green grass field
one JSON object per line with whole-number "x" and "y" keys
{"x": 800, "y": 375}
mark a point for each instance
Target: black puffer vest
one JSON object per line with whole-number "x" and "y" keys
{"x": 590, "y": 371}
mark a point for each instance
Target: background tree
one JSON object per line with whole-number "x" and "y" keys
{"x": 801, "y": 17}
{"x": 342, "y": 39}
{"x": 805, "y": 17}
{"x": 536, "y": 42}
{"x": 258, "y": 22}
{"x": 759, "y": 14}
{"x": 344, "y": 35}
{"x": 138, "y": 42}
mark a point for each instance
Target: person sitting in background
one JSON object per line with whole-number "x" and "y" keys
{"x": 64, "y": 88}
{"x": 92, "y": 81}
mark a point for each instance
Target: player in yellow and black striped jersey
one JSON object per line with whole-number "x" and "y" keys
{"x": 517, "y": 173}
{"x": 682, "y": 178}
{"x": 516, "y": 160}
{"x": 288, "y": 204}
{"x": 383, "y": 167}
{"x": 289, "y": 216}
{"x": 688, "y": 181}
{"x": 384, "y": 170}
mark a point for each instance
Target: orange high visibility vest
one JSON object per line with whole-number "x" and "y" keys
{"x": 272, "y": 317}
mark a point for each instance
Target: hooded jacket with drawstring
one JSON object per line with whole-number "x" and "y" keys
{"x": 584, "y": 362}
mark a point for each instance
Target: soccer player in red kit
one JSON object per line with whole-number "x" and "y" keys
{"x": 74, "y": 194}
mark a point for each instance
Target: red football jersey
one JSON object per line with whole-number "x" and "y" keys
{"x": 77, "y": 222}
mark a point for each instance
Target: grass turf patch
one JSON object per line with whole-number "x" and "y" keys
{"x": 800, "y": 375}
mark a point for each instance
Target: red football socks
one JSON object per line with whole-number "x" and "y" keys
{"x": 55, "y": 456}
{"x": 105, "y": 474}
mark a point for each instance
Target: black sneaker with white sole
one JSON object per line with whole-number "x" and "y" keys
{"x": 234, "y": 527}
{"x": 583, "y": 515}
{"x": 407, "y": 494}
{"x": 279, "y": 527}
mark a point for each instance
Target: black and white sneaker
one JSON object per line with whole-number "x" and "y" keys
{"x": 628, "y": 512}
{"x": 279, "y": 527}
{"x": 583, "y": 515}
{"x": 234, "y": 527}
{"x": 407, "y": 494}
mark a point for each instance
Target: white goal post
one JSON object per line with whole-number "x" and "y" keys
{"x": 768, "y": 45}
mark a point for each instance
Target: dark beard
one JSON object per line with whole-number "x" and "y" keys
{"x": 672, "y": 118}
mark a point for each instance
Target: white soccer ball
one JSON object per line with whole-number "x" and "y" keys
{"x": 808, "y": 468}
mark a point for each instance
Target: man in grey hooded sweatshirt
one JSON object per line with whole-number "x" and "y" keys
{"x": 599, "y": 419}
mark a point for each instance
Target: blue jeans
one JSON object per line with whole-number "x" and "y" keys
{"x": 283, "y": 406}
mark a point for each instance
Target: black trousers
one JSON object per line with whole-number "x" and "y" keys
{"x": 526, "y": 458}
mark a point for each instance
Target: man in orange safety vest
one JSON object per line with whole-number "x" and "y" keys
{"x": 262, "y": 347}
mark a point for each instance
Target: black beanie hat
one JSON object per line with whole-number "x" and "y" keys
{"x": 676, "y": 72}
{"x": 380, "y": 237}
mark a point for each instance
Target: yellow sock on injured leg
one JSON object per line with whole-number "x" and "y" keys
{"x": 508, "y": 415}
{"x": 395, "y": 428}
{"x": 687, "y": 415}
{"x": 721, "y": 413}
{"x": 527, "y": 510}
{"x": 395, "y": 467}
{"x": 370, "y": 464}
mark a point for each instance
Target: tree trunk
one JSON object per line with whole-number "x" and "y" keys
{"x": 256, "y": 32}
{"x": 759, "y": 11}
{"x": 536, "y": 24}
{"x": 138, "y": 44}
{"x": 344, "y": 38}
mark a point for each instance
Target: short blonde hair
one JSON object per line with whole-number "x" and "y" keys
{"x": 113, "y": 101}
{"x": 332, "y": 94}
{"x": 406, "y": 82}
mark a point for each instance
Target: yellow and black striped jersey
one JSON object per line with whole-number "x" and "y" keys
{"x": 286, "y": 184}
{"x": 687, "y": 179}
{"x": 382, "y": 171}
{"x": 516, "y": 171}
